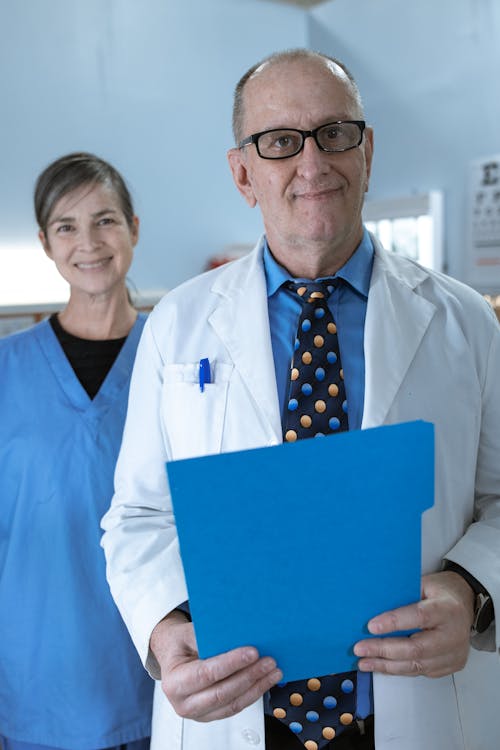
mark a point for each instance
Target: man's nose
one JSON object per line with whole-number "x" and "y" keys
{"x": 312, "y": 157}
{"x": 313, "y": 140}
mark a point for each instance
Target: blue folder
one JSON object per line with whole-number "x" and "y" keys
{"x": 293, "y": 548}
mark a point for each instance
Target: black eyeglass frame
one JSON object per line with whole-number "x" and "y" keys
{"x": 254, "y": 138}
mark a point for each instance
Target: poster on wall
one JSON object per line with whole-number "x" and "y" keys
{"x": 483, "y": 218}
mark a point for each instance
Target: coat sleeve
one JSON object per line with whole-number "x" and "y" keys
{"x": 144, "y": 568}
{"x": 478, "y": 551}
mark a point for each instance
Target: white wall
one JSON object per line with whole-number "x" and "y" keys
{"x": 429, "y": 73}
{"x": 147, "y": 85}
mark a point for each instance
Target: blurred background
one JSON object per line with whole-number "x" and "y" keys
{"x": 148, "y": 86}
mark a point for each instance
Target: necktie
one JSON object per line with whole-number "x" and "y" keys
{"x": 317, "y": 709}
{"x": 317, "y": 403}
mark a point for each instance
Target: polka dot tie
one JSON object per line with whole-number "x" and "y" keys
{"x": 319, "y": 709}
{"x": 316, "y": 710}
{"x": 317, "y": 403}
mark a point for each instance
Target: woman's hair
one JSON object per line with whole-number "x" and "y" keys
{"x": 71, "y": 172}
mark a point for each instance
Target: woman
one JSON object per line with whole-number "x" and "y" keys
{"x": 69, "y": 675}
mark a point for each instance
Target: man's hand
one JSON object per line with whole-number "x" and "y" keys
{"x": 208, "y": 689}
{"x": 444, "y": 617}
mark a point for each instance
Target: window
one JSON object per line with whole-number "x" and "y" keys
{"x": 27, "y": 276}
{"x": 410, "y": 226}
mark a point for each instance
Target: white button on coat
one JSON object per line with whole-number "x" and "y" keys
{"x": 250, "y": 736}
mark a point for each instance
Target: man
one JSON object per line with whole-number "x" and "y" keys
{"x": 414, "y": 345}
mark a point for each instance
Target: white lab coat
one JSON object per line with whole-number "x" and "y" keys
{"x": 432, "y": 351}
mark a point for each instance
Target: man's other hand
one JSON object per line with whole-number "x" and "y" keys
{"x": 208, "y": 689}
{"x": 443, "y": 618}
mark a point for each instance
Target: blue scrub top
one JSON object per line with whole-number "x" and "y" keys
{"x": 69, "y": 674}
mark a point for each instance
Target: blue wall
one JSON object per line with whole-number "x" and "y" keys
{"x": 429, "y": 73}
{"x": 149, "y": 86}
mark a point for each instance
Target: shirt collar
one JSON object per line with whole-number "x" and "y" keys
{"x": 356, "y": 272}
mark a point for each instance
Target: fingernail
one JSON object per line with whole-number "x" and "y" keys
{"x": 360, "y": 650}
{"x": 250, "y": 655}
{"x": 268, "y": 663}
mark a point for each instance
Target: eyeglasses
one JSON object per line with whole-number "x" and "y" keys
{"x": 285, "y": 142}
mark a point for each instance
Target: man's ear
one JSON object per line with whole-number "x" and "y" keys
{"x": 368, "y": 147}
{"x": 45, "y": 244}
{"x": 239, "y": 170}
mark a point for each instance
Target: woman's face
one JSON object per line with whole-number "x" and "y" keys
{"x": 90, "y": 241}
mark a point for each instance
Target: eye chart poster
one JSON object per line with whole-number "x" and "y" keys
{"x": 483, "y": 218}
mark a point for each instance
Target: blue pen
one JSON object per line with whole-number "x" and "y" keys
{"x": 204, "y": 373}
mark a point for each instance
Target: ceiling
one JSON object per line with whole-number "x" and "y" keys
{"x": 301, "y": 3}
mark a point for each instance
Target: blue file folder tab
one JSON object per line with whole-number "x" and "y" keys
{"x": 293, "y": 548}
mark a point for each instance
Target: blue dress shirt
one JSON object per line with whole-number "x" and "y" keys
{"x": 348, "y": 306}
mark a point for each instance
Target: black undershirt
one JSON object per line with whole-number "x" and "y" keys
{"x": 91, "y": 360}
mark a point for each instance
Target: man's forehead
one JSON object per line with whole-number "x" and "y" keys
{"x": 288, "y": 67}
{"x": 294, "y": 89}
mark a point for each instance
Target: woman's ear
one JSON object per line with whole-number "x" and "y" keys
{"x": 134, "y": 230}
{"x": 45, "y": 243}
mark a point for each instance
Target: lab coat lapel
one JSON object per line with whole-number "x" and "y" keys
{"x": 397, "y": 319}
{"x": 241, "y": 321}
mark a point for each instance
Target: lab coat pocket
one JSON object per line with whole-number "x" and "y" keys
{"x": 192, "y": 419}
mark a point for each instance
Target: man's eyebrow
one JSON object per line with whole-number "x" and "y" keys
{"x": 328, "y": 121}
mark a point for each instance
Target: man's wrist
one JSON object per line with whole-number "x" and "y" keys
{"x": 157, "y": 641}
{"x": 185, "y": 609}
{"x": 484, "y": 612}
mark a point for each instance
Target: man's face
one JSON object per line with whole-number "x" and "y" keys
{"x": 312, "y": 201}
